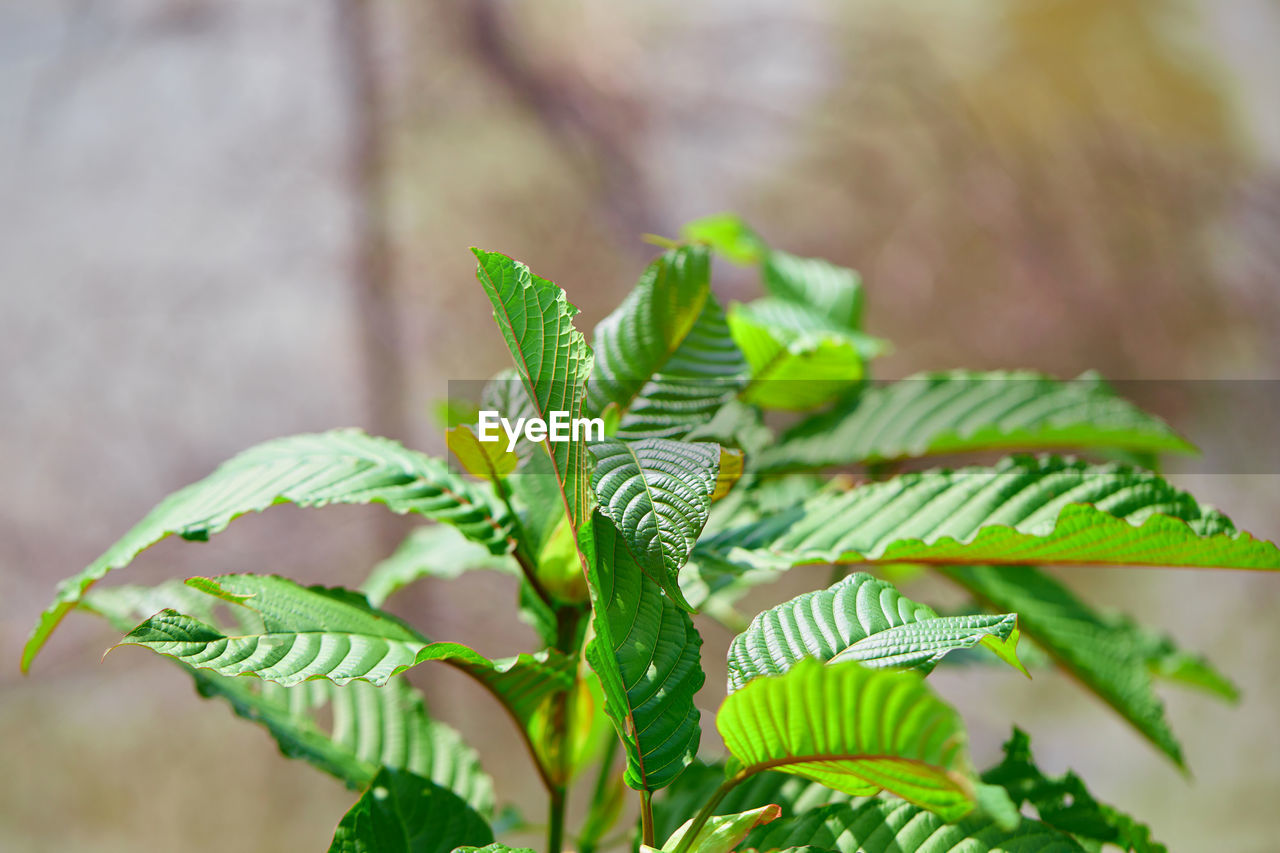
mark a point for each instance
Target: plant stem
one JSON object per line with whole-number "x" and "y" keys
{"x": 646, "y": 818}
{"x": 704, "y": 814}
{"x": 555, "y": 820}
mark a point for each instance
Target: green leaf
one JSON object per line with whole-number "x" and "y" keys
{"x": 723, "y": 833}
{"x": 793, "y": 366}
{"x": 1110, "y": 659}
{"x": 889, "y": 825}
{"x": 646, "y": 652}
{"x": 853, "y": 729}
{"x": 343, "y": 466}
{"x": 699, "y": 782}
{"x": 704, "y": 374}
{"x": 728, "y": 236}
{"x": 864, "y": 619}
{"x": 404, "y": 813}
{"x": 1167, "y": 661}
{"x": 488, "y": 460}
{"x": 637, "y": 340}
{"x": 370, "y": 727}
{"x": 1065, "y": 803}
{"x": 832, "y": 291}
{"x": 551, "y": 358}
{"x": 319, "y": 632}
{"x": 962, "y": 411}
{"x": 658, "y": 494}
{"x": 430, "y": 552}
{"x": 494, "y": 848}
{"x": 1023, "y": 510}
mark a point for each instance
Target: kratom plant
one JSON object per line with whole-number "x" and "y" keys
{"x": 653, "y": 489}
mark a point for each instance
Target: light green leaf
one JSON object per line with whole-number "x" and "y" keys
{"x": 704, "y": 374}
{"x": 889, "y": 825}
{"x": 404, "y": 813}
{"x": 829, "y": 290}
{"x": 646, "y": 652}
{"x": 369, "y": 727}
{"x": 637, "y": 340}
{"x": 864, "y": 619}
{"x": 1023, "y": 510}
{"x": 827, "y": 723}
{"x": 496, "y": 847}
{"x": 1109, "y": 659}
{"x": 488, "y": 460}
{"x": 318, "y": 632}
{"x": 793, "y": 368}
{"x": 728, "y": 235}
{"x": 551, "y": 358}
{"x": 1065, "y": 803}
{"x": 658, "y": 494}
{"x": 961, "y": 411}
{"x": 343, "y": 466}
{"x": 723, "y": 833}
{"x": 431, "y": 552}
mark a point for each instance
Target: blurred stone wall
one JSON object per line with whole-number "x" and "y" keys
{"x": 190, "y": 206}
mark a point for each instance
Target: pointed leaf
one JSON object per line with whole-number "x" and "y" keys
{"x": 404, "y": 813}
{"x": 551, "y": 358}
{"x": 1108, "y": 659}
{"x": 889, "y": 825}
{"x": 853, "y": 729}
{"x": 705, "y": 373}
{"x": 658, "y": 494}
{"x": 496, "y": 847}
{"x": 961, "y": 411}
{"x": 727, "y": 235}
{"x": 343, "y": 466}
{"x": 832, "y": 291}
{"x": 637, "y": 340}
{"x": 646, "y": 652}
{"x": 1065, "y": 803}
{"x": 860, "y": 618}
{"x": 370, "y": 727}
{"x": 723, "y": 833}
{"x": 1023, "y": 510}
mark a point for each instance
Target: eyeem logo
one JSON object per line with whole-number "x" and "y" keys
{"x": 561, "y": 427}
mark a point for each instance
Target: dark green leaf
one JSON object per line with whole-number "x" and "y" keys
{"x": 404, "y": 813}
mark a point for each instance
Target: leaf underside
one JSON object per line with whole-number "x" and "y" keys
{"x": 961, "y": 411}
{"x": 342, "y": 466}
{"x": 859, "y": 618}
{"x": 404, "y": 813}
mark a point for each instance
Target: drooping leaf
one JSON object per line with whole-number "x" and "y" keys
{"x": 404, "y": 813}
{"x": 961, "y": 411}
{"x": 646, "y": 652}
{"x": 723, "y": 833}
{"x": 658, "y": 494}
{"x": 1023, "y": 510}
{"x": 430, "y": 552}
{"x": 551, "y": 358}
{"x": 831, "y": 291}
{"x": 793, "y": 367}
{"x": 343, "y": 466}
{"x": 889, "y": 825}
{"x": 637, "y": 340}
{"x": 704, "y": 374}
{"x": 1107, "y": 658}
{"x": 370, "y": 727}
{"x": 1065, "y": 803}
{"x": 854, "y": 729}
{"x": 489, "y": 460}
{"x": 864, "y": 619}
{"x": 727, "y": 235}
{"x": 319, "y": 632}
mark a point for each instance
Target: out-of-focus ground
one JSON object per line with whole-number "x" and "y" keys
{"x": 212, "y": 234}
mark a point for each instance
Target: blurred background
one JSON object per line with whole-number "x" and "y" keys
{"x": 228, "y": 220}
